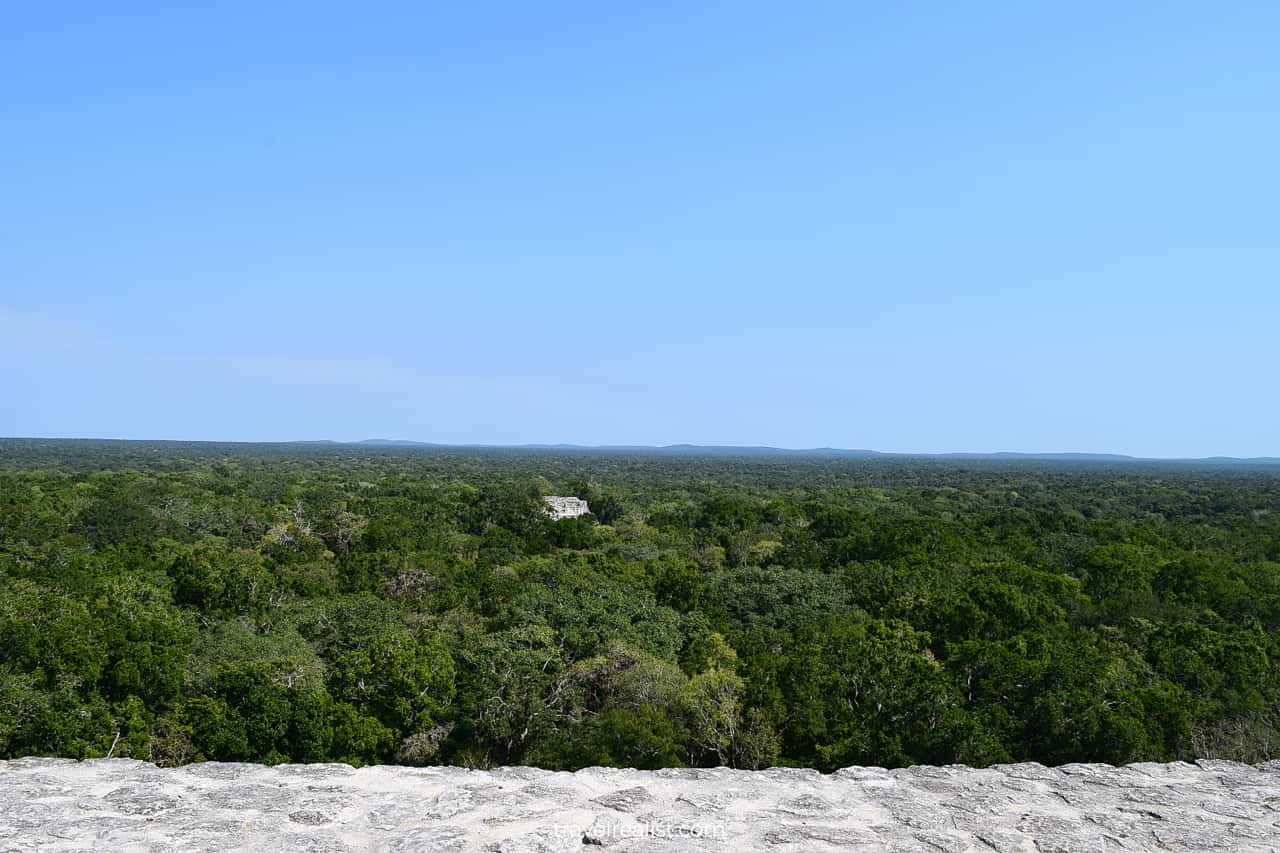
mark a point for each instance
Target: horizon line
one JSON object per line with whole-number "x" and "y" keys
{"x": 684, "y": 447}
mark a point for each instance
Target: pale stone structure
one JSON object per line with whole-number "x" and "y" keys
{"x": 559, "y": 507}
{"x": 125, "y": 805}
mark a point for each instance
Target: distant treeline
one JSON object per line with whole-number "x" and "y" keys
{"x": 183, "y": 601}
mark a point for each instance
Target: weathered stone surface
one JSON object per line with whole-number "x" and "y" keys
{"x": 64, "y": 805}
{"x": 627, "y": 800}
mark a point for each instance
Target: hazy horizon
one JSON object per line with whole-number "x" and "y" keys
{"x": 909, "y": 228}
{"x": 678, "y": 446}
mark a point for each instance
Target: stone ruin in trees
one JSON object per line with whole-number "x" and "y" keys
{"x": 559, "y": 507}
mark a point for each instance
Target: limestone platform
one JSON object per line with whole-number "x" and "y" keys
{"x": 124, "y": 805}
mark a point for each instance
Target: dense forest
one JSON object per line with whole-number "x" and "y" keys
{"x": 177, "y": 602}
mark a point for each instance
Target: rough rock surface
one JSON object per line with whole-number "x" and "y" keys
{"x": 52, "y": 804}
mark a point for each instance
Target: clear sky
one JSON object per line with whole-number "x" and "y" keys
{"x": 901, "y": 226}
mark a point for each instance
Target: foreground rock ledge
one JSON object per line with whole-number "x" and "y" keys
{"x": 54, "y": 804}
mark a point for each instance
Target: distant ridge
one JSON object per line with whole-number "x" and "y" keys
{"x": 392, "y": 442}
{"x": 765, "y": 450}
{"x": 723, "y": 450}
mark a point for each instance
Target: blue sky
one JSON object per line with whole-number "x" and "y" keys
{"x": 902, "y": 226}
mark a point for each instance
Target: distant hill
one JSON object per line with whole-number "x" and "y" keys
{"x": 764, "y": 450}
{"x": 683, "y": 450}
{"x": 706, "y": 449}
{"x": 394, "y": 442}
{"x": 1071, "y": 457}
